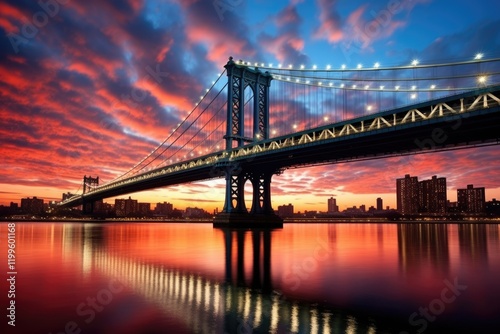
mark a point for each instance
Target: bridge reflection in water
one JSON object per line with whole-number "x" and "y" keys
{"x": 232, "y": 306}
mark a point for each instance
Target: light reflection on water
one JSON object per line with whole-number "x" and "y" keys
{"x": 305, "y": 278}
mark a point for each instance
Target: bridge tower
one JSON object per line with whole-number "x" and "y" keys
{"x": 241, "y": 77}
{"x": 89, "y": 183}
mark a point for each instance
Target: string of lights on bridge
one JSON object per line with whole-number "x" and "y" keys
{"x": 299, "y": 75}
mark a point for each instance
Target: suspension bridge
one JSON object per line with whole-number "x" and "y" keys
{"x": 267, "y": 118}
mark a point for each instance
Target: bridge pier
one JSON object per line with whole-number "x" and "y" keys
{"x": 235, "y": 213}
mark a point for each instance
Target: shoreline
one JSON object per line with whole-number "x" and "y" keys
{"x": 286, "y": 221}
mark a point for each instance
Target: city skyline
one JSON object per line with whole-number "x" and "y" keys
{"x": 426, "y": 192}
{"x": 81, "y": 74}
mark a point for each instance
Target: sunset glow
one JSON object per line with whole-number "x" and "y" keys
{"x": 94, "y": 87}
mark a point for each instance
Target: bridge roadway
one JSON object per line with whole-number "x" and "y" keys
{"x": 467, "y": 119}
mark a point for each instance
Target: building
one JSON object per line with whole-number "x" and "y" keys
{"x": 407, "y": 195}
{"x": 380, "y": 204}
{"x": 126, "y": 207}
{"x": 332, "y": 205}
{"x": 471, "y": 200}
{"x": 493, "y": 207}
{"x": 285, "y": 211}
{"x": 144, "y": 209}
{"x": 32, "y": 205}
{"x": 195, "y": 213}
{"x": 432, "y": 195}
{"x": 164, "y": 209}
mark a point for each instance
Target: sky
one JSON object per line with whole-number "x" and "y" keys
{"x": 91, "y": 87}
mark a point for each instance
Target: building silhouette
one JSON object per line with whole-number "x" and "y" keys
{"x": 432, "y": 195}
{"x": 285, "y": 211}
{"x": 126, "y": 207}
{"x": 32, "y": 205}
{"x": 407, "y": 195}
{"x": 164, "y": 209}
{"x": 427, "y": 196}
{"x": 380, "y": 204}
{"x": 471, "y": 200}
{"x": 332, "y": 205}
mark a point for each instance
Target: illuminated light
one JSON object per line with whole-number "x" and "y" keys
{"x": 273, "y": 132}
{"x": 367, "y": 86}
{"x": 353, "y": 86}
{"x": 302, "y": 67}
{"x": 342, "y": 85}
{"x": 196, "y": 104}
{"x": 218, "y": 147}
{"x": 297, "y": 80}
{"x": 290, "y": 66}
{"x": 415, "y": 62}
{"x": 381, "y": 87}
{"x": 330, "y": 84}
{"x": 377, "y": 65}
{"x": 258, "y": 135}
{"x": 413, "y": 87}
{"x": 478, "y": 56}
{"x": 207, "y": 90}
{"x": 288, "y": 79}
{"x": 270, "y": 65}
{"x": 307, "y": 82}
{"x": 343, "y": 66}
{"x": 262, "y": 64}
{"x": 397, "y": 87}
{"x": 279, "y": 65}
{"x": 413, "y": 96}
{"x": 201, "y": 97}
{"x": 368, "y": 107}
{"x": 295, "y": 126}
{"x": 314, "y": 67}
{"x": 433, "y": 86}
{"x": 325, "y": 118}
{"x": 256, "y": 64}
{"x": 328, "y": 67}
{"x": 360, "y": 66}
{"x": 320, "y": 83}
{"x": 213, "y": 82}
{"x": 482, "y": 79}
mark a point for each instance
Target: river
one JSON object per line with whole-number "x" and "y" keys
{"x": 305, "y": 278}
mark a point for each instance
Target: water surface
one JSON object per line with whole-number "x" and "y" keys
{"x": 304, "y": 278}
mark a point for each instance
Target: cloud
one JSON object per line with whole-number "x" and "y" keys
{"x": 287, "y": 44}
{"x": 330, "y": 22}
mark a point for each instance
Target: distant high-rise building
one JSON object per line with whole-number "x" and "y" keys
{"x": 407, "y": 195}
{"x": 471, "y": 200}
{"x": 332, "y": 205}
{"x": 380, "y": 205}
{"x": 285, "y": 211}
{"x": 164, "y": 208}
{"x": 126, "y": 207}
{"x": 144, "y": 209}
{"x": 432, "y": 195}
{"x": 32, "y": 205}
